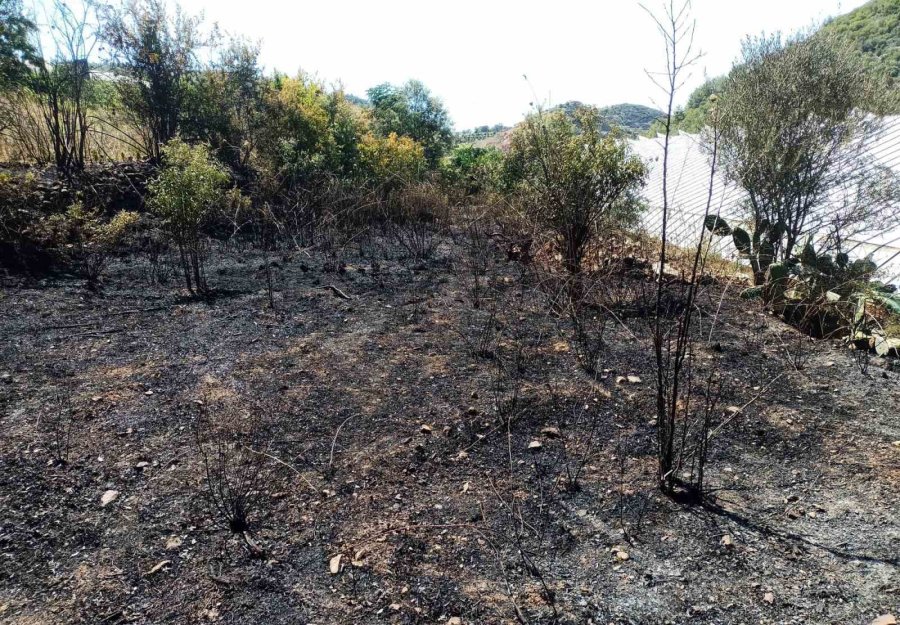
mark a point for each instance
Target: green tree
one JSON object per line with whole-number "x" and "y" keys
{"x": 154, "y": 53}
{"x": 792, "y": 111}
{"x": 411, "y": 111}
{"x": 15, "y": 46}
{"x": 223, "y": 104}
{"x": 574, "y": 179}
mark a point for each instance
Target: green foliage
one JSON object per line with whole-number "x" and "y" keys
{"x": 629, "y": 118}
{"x": 184, "y": 194}
{"x": 786, "y": 115}
{"x": 84, "y": 238}
{"x": 573, "y": 178}
{"x": 391, "y": 161}
{"x": 223, "y": 105}
{"x": 308, "y": 132}
{"x": 693, "y": 117}
{"x": 830, "y": 293}
{"x": 472, "y": 170}
{"x": 153, "y": 53}
{"x": 874, "y": 31}
{"x": 758, "y": 247}
{"x": 717, "y": 225}
{"x": 15, "y": 47}
{"x": 411, "y": 111}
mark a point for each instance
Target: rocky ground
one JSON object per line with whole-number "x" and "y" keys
{"x": 385, "y": 487}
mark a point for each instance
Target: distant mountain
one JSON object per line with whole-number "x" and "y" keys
{"x": 632, "y": 118}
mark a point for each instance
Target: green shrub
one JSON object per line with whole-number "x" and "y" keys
{"x": 189, "y": 186}
{"x": 391, "y": 162}
{"x": 83, "y": 238}
{"x": 573, "y": 179}
{"x": 471, "y": 170}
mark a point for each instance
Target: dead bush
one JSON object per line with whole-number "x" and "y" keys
{"x": 417, "y": 213}
{"x": 234, "y": 452}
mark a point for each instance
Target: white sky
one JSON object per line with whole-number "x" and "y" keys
{"x": 472, "y": 54}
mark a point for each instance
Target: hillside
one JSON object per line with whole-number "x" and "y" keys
{"x": 632, "y": 118}
{"x": 874, "y": 29}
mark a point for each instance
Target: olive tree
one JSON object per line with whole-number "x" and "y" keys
{"x": 795, "y": 115}
{"x": 573, "y": 178}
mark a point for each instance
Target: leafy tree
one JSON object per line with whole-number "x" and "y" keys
{"x": 294, "y": 135}
{"x": 413, "y": 112}
{"x": 154, "y": 53}
{"x": 574, "y": 179}
{"x": 188, "y": 187}
{"x": 223, "y": 105}
{"x": 792, "y": 111}
{"x": 16, "y": 49}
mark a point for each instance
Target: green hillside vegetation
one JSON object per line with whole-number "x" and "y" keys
{"x": 632, "y": 118}
{"x": 629, "y": 118}
{"x": 874, "y": 30}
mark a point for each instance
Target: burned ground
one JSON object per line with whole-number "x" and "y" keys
{"x": 375, "y": 427}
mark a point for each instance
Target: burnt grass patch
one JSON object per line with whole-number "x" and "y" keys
{"x": 410, "y": 480}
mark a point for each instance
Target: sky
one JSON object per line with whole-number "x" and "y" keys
{"x": 473, "y": 53}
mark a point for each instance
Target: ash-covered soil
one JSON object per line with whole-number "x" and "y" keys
{"x": 372, "y": 429}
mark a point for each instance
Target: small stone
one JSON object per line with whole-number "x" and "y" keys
{"x": 334, "y": 565}
{"x": 454, "y": 620}
{"x": 885, "y": 619}
{"x": 426, "y": 429}
{"x": 727, "y": 541}
{"x": 634, "y": 379}
{"x": 173, "y": 543}
{"x": 535, "y": 445}
{"x": 732, "y": 410}
{"x": 621, "y": 379}
{"x": 143, "y": 464}
{"x": 148, "y": 392}
{"x": 622, "y": 555}
{"x": 108, "y": 497}
{"x": 769, "y": 598}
